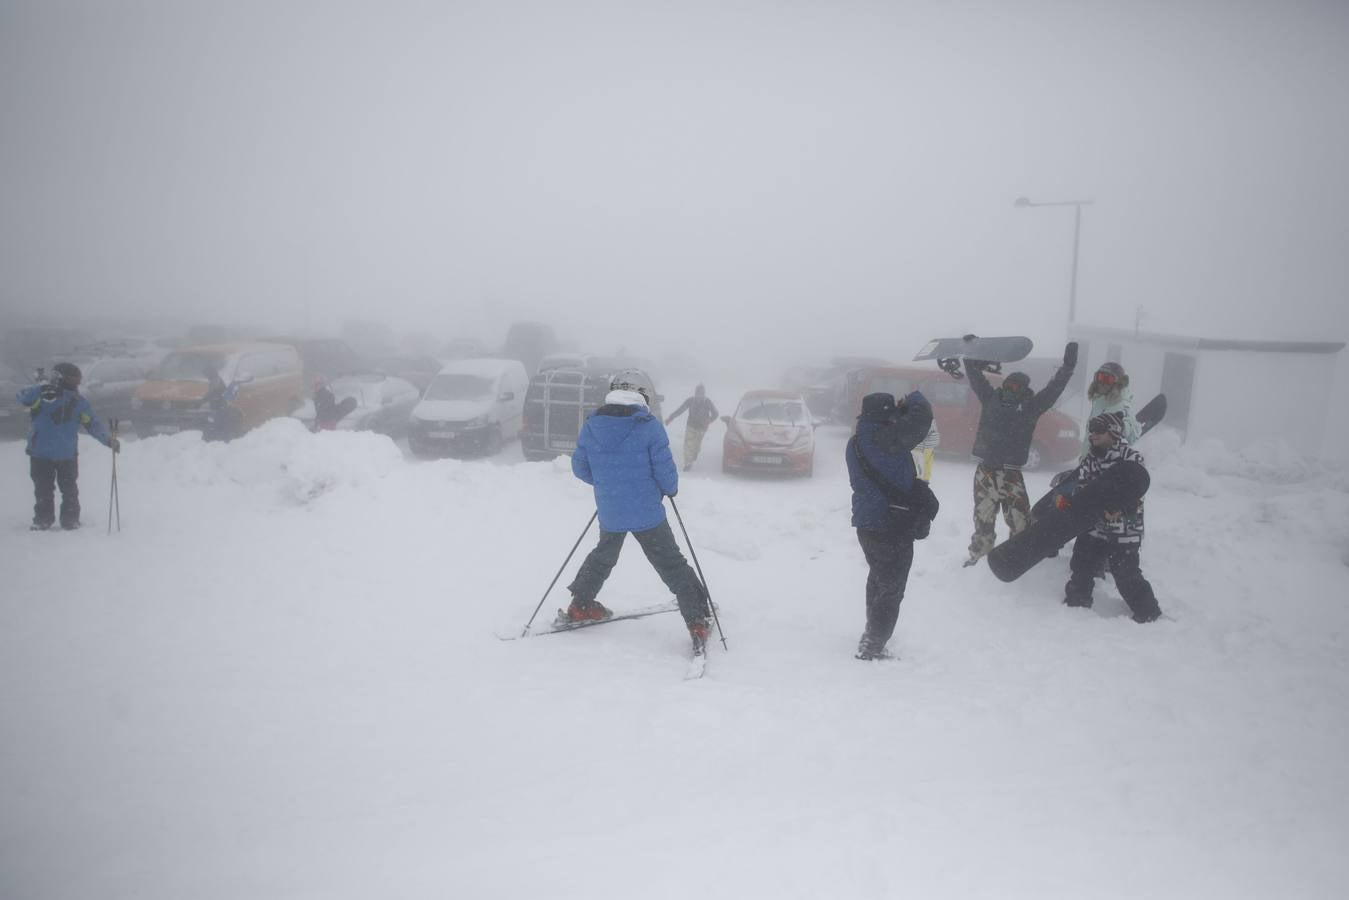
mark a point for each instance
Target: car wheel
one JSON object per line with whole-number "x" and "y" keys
{"x": 1035, "y": 458}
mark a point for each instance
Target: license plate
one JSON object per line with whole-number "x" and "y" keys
{"x": 765, "y": 460}
{"x": 166, "y": 429}
{"x": 562, "y": 445}
{"x": 443, "y": 435}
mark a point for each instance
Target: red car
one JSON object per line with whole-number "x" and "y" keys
{"x": 771, "y": 431}
{"x": 1057, "y": 440}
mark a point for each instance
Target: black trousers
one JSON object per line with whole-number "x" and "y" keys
{"x": 47, "y": 474}
{"x": 662, "y": 552}
{"x": 1088, "y": 555}
{"x": 889, "y": 556}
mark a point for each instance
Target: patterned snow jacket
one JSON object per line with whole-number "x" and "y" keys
{"x": 1006, "y": 424}
{"x": 1116, "y": 526}
{"x": 56, "y": 416}
{"x": 624, "y": 452}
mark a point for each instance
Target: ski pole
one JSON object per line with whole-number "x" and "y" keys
{"x": 701, "y": 577}
{"x": 114, "y": 502}
{"x": 559, "y": 572}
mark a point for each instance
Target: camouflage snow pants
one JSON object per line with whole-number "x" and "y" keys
{"x": 693, "y": 442}
{"x": 996, "y": 489}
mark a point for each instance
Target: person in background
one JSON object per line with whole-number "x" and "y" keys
{"x": 923, "y": 453}
{"x": 1002, "y": 445}
{"x": 57, "y": 412}
{"x": 1109, "y": 392}
{"x": 702, "y": 413}
{"x": 327, "y": 411}
{"x": 1117, "y": 536}
{"x": 891, "y": 506}
{"x": 624, "y": 454}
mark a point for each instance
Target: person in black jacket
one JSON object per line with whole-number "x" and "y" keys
{"x": 891, "y": 506}
{"x": 702, "y": 413}
{"x": 1002, "y": 444}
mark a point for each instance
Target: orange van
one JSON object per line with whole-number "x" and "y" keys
{"x": 268, "y": 378}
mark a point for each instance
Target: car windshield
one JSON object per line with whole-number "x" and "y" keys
{"x": 189, "y": 366}
{"x": 774, "y": 412}
{"x": 460, "y": 387}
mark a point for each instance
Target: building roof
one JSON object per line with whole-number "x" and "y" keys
{"x": 1201, "y": 343}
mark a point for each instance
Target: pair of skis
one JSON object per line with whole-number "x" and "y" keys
{"x": 697, "y": 664}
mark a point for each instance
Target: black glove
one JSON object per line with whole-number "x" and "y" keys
{"x": 1070, "y": 355}
{"x": 50, "y": 392}
{"x": 115, "y": 444}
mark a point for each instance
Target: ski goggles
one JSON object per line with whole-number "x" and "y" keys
{"x": 1106, "y": 378}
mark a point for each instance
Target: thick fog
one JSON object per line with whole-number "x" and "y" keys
{"x": 766, "y": 182}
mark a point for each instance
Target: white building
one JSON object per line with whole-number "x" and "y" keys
{"x": 1238, "y": 391}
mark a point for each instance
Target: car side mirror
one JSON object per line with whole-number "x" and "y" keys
{"x": 506, "y": 395}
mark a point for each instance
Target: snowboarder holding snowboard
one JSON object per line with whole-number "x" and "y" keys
{"x": 702, "y": 413}
{"x": 1002, "y": 445}
{"x": 1117, "y": 535}
{"x": 891, "y": 506}
{"x": 57, "y": 411}
{"x": 624, "y": 453}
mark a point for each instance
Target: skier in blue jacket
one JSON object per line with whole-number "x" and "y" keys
{"x": 624, "y": 453}
{"x": 57, "y": 412}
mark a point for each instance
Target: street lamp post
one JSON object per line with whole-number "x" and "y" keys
{"x": 1025, "y": 202}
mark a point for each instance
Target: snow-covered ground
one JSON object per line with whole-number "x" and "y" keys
{"x": 281, "y": 680}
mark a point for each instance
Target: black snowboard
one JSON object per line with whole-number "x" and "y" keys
{"x": 992, "y": 349}
{"x": 1119, "y": 487}
{"x": 1151, "y": 413}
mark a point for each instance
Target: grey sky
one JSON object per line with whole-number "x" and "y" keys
{"x": 839, "y": 172}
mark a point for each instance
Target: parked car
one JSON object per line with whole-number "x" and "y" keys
{"x": 771, "y": 431}
{"x": 560, "y": 398}
{"x": 473, "y": 405}
{"x": 325, "y": 358}
{"x": 13, "y": 417}
{"x": 1056, "y": 440}
{"x": 383, "y": 403}
{"x": 268, "y": 378}
{"x": 419, "y": 370}
{"x": 111, "y": 382}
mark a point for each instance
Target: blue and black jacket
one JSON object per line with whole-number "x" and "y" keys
{"x": 56, "y": 419}
{"x": 624, "y": 452}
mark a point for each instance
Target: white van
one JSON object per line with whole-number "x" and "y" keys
{"x": 472, "y": 406}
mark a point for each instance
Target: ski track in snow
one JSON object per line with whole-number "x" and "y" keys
{"x": 281, "y": 680}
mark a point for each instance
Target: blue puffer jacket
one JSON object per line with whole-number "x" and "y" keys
{"x": 624, "y": 452}
{"x": 888, "y": 455}
{"x": 54, "y": 427}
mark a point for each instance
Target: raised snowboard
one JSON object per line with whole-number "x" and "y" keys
{"x": 1119, "y": 487}
{"x": 948, "y": 352}
{"x": 1151, "y": 413}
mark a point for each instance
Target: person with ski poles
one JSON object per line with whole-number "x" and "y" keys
{"x": 1002, "y": 445}
{"x": 702, "y": 413}
{"x": 1117, "y": 536}
{"x": 623, "y": 452}
{"x": 57, "y": 411}
{"x": 891, "y": 506}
